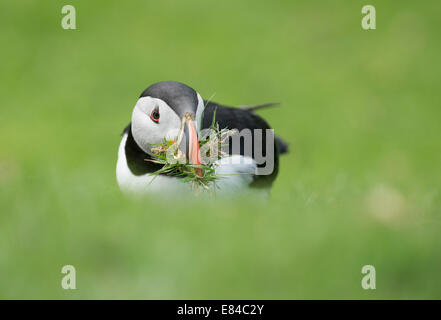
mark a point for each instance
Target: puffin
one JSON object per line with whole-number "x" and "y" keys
{"x": 167, "y": 107}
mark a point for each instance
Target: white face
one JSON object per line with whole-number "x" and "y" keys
{"x": 148, "y": 128}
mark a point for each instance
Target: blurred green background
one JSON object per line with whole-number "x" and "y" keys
{"x": 361, "y": 184}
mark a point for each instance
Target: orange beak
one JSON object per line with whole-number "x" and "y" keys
{"x": 194, "y": 155}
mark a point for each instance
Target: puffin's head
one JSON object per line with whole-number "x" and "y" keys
{"x": 159, "y": 113}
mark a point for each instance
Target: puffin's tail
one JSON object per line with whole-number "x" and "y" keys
{"x": 282, "y": 146}
{"x": 259, "y": 106}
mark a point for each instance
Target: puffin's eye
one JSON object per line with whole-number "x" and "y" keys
{"x": 155, "y": 115}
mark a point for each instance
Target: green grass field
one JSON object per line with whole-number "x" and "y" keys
{"x": 361, "y": 184}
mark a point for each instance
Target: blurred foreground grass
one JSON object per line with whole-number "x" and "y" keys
{"x": 360, "y": 185}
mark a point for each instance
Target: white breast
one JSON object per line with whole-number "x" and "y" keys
{"x": 147, "y": 183}
{"x": 235, "y": 172}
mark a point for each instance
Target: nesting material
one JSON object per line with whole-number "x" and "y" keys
{"x": 203, "y": 176}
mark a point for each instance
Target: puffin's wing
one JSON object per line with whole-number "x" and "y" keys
{"x": 232, "y": 118}
{"x": 239, "y": 118}
{"x": 126, "y": 129}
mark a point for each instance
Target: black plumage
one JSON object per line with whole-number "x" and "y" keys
{"x": 237, "y": 118}
{"x": 180, "y": 97}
